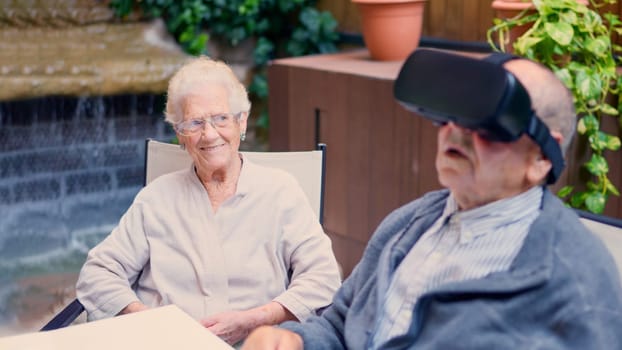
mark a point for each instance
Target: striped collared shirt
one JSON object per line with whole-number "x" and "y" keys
{"x": 459, "y": 246}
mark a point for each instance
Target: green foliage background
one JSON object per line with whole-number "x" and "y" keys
{"x": 282, "y": 28}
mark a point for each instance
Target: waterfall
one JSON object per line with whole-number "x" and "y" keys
{"x": 69, "y": 168}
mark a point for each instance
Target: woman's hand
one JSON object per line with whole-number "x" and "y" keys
{"x": 230, "y": 326}
{"x": 233, "y": 326}
{"x": 271, "y": 338}
{"x": 135, "y": 306}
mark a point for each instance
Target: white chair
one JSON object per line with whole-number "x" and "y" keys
{"x": 609, "y": 230}
{"x": 161, "y": 158}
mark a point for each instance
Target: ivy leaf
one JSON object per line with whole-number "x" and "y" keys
{"x": 561, "y": 32}
{"x": 608, "y": 109}
{"x": 597, "y": 165}
{"x": 612, "y": 19}
{"x": 297, "y": 46}
{"x": 565, "y": 191}
{"x": 264, "y": 120}
{"x": 186, "y": 36}
{"x": 589, "y": 86}
{"x": 613, "y": 143}
{"x": 259, "y": 86}
{"x": 577, "y": 200}
{"x": 197, "y": 45}
{"x": 598, "y": 141}
{"x": 595, "y": 202}
{"x": 565, "y": 76}
{"x": 589, "y": 123}
{"x": 286, "y": 6}
{"x": 523, "y": 44}
{"x": 537, "y": 3}
{"x": 592, "y": 21}
{"x": 612, "y": 189}
{"x": 581, "y": 127}
{"x": 591, "y": 186}
{"x": 263, "y": 50}
{"x": 310, "y": 18}
{"x": 598, "y": 46}
{"x": 568, "y": 17}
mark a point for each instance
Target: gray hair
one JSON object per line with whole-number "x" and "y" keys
{"x": 201, "y": 71}
{"x": 550, "y": 98}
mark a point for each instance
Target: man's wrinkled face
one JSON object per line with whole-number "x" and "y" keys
{"x": 478, "y": 171}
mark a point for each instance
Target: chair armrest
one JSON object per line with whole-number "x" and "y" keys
{"x": 66, "y": 316}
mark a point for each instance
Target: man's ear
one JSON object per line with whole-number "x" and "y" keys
{"x": 557, "y": 136}
{"x": 541, "y": 165}
{"x": 539, "y": 169}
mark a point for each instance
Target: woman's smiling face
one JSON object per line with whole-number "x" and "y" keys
{"x": 212, "y": 148}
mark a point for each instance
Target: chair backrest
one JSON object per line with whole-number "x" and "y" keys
{"x": 609, "y": 230}
{"x": 306, "y": 166}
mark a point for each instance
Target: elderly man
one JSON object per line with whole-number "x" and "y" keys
{"x": 495, "y": 261}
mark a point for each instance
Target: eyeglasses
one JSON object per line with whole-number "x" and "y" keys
{"x": 193, "y": 126}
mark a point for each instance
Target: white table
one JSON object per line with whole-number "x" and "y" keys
{"x": 167, "y": 327}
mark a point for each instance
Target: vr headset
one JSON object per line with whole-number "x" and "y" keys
{"x": 476, "y": 94}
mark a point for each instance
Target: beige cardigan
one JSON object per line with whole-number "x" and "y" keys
{"x": 205, "y": 262}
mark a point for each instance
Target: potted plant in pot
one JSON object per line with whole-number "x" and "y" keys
{"x": 575, "y": 41}
{"x": 391, "y": 28}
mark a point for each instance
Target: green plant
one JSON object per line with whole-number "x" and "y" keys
{"x": 281, "y": 28}
{"x": 575, "y": 41}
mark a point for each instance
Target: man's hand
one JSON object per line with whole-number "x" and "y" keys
{"x": 272, "y": 338}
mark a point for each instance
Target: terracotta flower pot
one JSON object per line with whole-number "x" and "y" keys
{"x": 391, "y": 28}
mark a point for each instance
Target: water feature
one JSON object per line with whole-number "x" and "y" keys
{"x": 69, "y": 168}
{"x": 81, "y": 91}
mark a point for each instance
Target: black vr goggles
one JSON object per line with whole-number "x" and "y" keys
{"x": 476, "y": 94}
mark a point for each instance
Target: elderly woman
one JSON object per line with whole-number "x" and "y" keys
{"x": 234, "y": 244}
